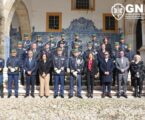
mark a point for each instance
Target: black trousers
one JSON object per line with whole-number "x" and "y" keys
{"x": 106, "y": 87}
{"x": 138, "y": 85}
{"x": 114, "y": 77}
{"x": 90, "y": 82}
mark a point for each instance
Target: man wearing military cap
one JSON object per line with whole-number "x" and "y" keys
{"x": 76, "y": 64}
{"x": 115, "y": 55}
{"x": 21, "y": 56}
{"x": 64, "y": 49}
{"x": 52, "y": 42}
{"x": 90, "y": 49}
{"x": 95, "y": 43}
{"x": 39, "y": 42}
{"x": 13, "y": 66}
{"x": 77, "y": 46}
{"x": 62, "y": 40}
{"x": 59, "y": 64}
{"x": 26, "y": 42}
{"x": 123, "y": 45}
{"x": 129, "y": 53}
{"x": 76, "y": 40}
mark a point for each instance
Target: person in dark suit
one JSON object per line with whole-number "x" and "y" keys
{"x": 2, "y": 63}
{"x": 106, "y": 68}
{"x": 30, "y": 68}
{"x": 13, "y": 66}
{"x": 44, "y": 67}
{"x": 91, "y": 69}
{"x": 137, "y": 69}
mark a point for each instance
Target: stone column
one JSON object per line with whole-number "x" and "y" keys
{"x": 142, "y": 49}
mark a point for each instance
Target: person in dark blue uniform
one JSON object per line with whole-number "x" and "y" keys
{"x": 106, "y": 68}
{"x": 77, "y": 40}
{"x": 115, "y": 55}
{"x": 30, "y": 68}
{"x": 13, "y": 66}
{"x": 76, "y": 65}
{"x": 21, "y": 55}
{"x": 64, "y": 49}
{"x": 90, "y": 49}
{"x": 52, "y": 43}
{"x": 59, "y": 64}
{"x": 26, "y": 42}
{"x": 129, "y": 53}
{"x": 39, "y": 42}
{"x": 95, "y": 43}
{"x": 62, "y": 40}
{"x": 2, "y": 63}
{"x": 123, "y": 45}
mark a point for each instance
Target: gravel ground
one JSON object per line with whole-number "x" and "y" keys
{"x": 72, "y": 109}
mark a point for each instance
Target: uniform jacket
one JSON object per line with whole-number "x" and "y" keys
{"x": 59, "y": 62}
{"x": 76, "y": 64}
{"x": 13, "y": 62}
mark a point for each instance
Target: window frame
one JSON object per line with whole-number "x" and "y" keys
{"x": 104, "y": 23}
{"x": 90, "y": 9}
{"x": 47, "y": 21}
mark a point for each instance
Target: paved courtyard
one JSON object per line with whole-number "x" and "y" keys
{"x": 72, "y": 109}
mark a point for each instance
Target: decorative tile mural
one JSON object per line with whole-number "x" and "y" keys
{"x": 84, "y": 27}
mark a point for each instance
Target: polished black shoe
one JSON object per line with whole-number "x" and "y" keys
{"x": 118, "y": 96}
{"x": 80, "y": 97}
{"x": 62, "y": 96}
{"x": 124, "y": 95}
{"x": 55, "y": 96}
{"x": 103, "y": 95}
{"x": 9, "y": 96}
{"x": 16, "y": 96}
{"x": 139, "y": 95}
{"x": 109, "y": 95}
{"x": 46, "y": 96}
{"x": 26, "y": 96}
{"x": 91, "y": 95}
{"x": 70, "y": 96}
{"x": 41, "y": 96}
{"x": 33, "y": 96}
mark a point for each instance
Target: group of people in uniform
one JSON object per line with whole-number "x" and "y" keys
{"x": 47, "y": 63}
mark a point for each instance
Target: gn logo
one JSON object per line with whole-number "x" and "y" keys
{"x": 118, "y": 10}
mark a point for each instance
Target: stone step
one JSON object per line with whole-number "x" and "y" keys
{"x": 66, "y": 87}
{"x": 66, "y": 92}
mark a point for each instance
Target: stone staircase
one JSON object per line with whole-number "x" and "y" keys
{"x": 97, "y": 88}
